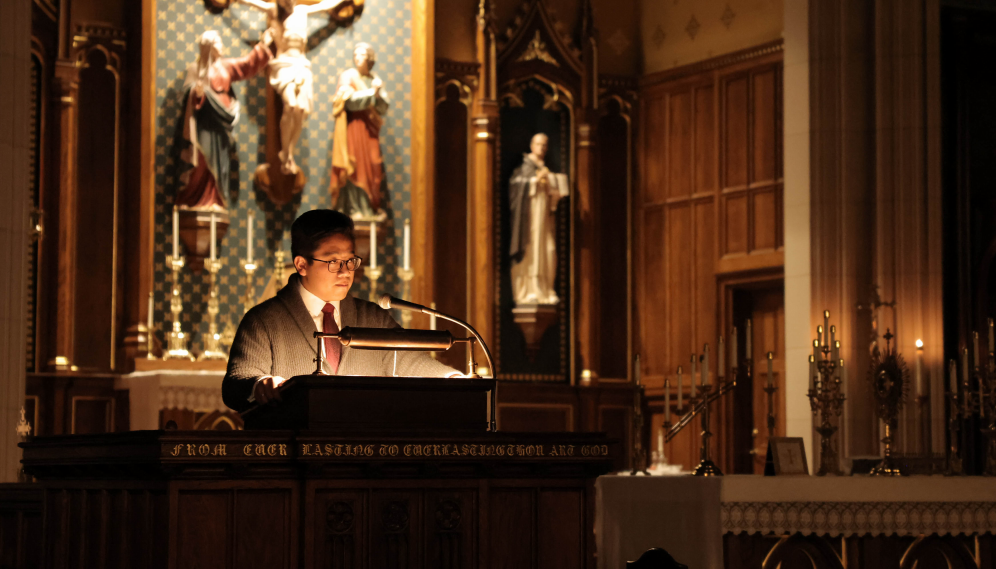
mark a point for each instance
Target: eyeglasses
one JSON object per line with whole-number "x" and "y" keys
{"x": 336, "y": 266}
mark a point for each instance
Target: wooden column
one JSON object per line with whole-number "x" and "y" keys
{"x": 484, "y": 128}
{"x": 586, "y": 223}
{"x": 15, "y": 55}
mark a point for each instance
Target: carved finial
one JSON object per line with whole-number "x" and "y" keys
{"x": 23, "y": 427}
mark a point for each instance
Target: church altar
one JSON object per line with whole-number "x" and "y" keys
{"x": 753, "y": 521}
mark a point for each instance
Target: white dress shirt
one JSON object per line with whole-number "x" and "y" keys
{"x": 315, "y": 306}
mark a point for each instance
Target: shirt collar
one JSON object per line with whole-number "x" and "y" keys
{"x": 313, "y": 303}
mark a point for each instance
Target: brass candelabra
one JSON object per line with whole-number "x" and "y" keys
{"x": 212, "y": 342}
{"x": 177, "y": 340}
{"x": 977, "y": 398}
{"x": 825, "y": 397}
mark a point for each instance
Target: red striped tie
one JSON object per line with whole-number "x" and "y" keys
{"x": 333, "y": 348}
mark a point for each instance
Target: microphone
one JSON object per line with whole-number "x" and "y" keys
{"x": 388, "y": 302}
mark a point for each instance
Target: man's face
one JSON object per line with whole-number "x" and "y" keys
{"x": 316, "y": 277}
{"x": 538, "y": 146}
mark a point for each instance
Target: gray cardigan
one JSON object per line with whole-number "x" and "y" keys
{"x": 275, "y": 338}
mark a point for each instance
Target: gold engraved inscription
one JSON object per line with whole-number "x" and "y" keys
{"x": 198, "y": 450}
{"x": 427, "y": 450}
{"x": 262, "y": 449}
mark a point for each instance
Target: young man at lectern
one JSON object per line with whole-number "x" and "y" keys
{"x": 275, "y": 339}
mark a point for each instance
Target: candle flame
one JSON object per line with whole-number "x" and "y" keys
{"x": 826, "y": 314}
{"x": 919, "y": 344}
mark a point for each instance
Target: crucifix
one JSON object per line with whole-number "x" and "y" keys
{"x": 291, "y": 82}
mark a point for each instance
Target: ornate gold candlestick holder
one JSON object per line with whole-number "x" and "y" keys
{"x": 699, "y": 406}
{"x": 249, "y": 299}
{"x": 177, "y": 340}
{"x": 890, "y": 381}
{"x": 406, "y": 276}
{"x": 985, "y": 400}
{"x": 212, "y": 342}
{"x": 373, "y": 274}
{"x": 825, "y": 396}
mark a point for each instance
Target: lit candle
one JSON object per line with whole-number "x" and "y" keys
{"x": 816, "y": 349}
{"x": 373, "y": 245}
{"x": 408, "y": 244}
{"x": 667, "y": 401}
{"x": 919, "y": 365}
{"x": 819, "y": 335}
{"x": 770, "y": 359}
{"x": 748, "y": 353}
{"x": 833, "y": 335}
{"x": 214, "y": 237}
{"x": 695, "y": 364}
{"x": 176, "y": 232}
{"x": 953, "y": 376}
{"x": 836, "y": 350}
{"x": 680, "y": 394}
{"x": 721, "y": 368}
{"x": 733, "y": 349}
{"x": 843, "y": 377}
{"x": 826, "y": 323}
{"x": 249, "y": 243}
{"x": 636, "y": 370}
{"x": 432, "y": 318}
{"x": 660, "y": 445}
{"x": 975, "y": 349}
{"x": 812, "y": 373}
{"x": 705, "y": 365}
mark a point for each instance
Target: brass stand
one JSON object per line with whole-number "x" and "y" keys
{"x": 177, "y": 341}
{"x": 888, "y": 466}
{"x": 700, "y": 406}
{"x": 249, "y": 300}
{"x": 212, "y": 343}
{"x": 771, "y": 410}
{"x": 406, "y": 276}
{"x": 373, "y": 274}
{"x": 826, "y": 399}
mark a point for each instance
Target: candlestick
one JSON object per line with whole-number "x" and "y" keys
{"x": 212, "y": 342}
{"x": 695, "y": 363}
{"x": 432, "y": 318}
{"x": 705, "y": 365}
{"x": 667, "y": 401}
{"x": 964, "y": 367}
{"x": 816, "y": 350}
{"x": 408, "y": 245}
{"x": 812, "y": 373}
{"x": 919, "y": 365}
{"x": 150, "y": 328}
{"x": 176, "y": 233}
{"x": 177, "y": 341}
{"x": 819, "y": 336}
{"x": 373, "y": 274}
{"x": 721, "y": 369}
{"x": 835, "y": 353}
{"x": 249, "y": 243}
{"x": 833, "y": 335}
{"x": 373, "y": 245}
{"x": 952, "y": 376}
{"x": 733, "y": 348}
{"x": 680, "y": 391}
{"x": 249, "y": 300}
{"x": 749, "y": 342}
{"x": 771, "y": 355}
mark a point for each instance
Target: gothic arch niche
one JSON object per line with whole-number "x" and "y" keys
{"x": 539, "y": 75}
{"x": 98, "y": 54}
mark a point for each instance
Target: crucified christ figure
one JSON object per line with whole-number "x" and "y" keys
{"x": 290, "y": 70}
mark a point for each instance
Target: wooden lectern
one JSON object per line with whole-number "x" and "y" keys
{"x": 346, "y": 473}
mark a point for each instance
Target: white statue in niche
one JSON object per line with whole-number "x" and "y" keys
{"x": 290, "y": 70}
{"x": 534, "y": 192}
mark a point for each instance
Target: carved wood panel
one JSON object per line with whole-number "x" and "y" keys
{"x": 708, "y": 202}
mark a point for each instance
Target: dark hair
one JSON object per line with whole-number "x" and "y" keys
{"x": 312, "y": 227}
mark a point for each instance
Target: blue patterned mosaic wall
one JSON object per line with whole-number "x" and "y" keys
{"x": 386, "y": 24}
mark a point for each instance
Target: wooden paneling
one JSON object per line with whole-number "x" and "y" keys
{"x": 679, "y": 137}
{"x": 203, "y": 521}
{"x": 561, "y": 529}
{"x": 735, "y": 139}
{"x": 536, "y": 417}
{"x": 709, "y": 204}
{"x": 511, "y": 528}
